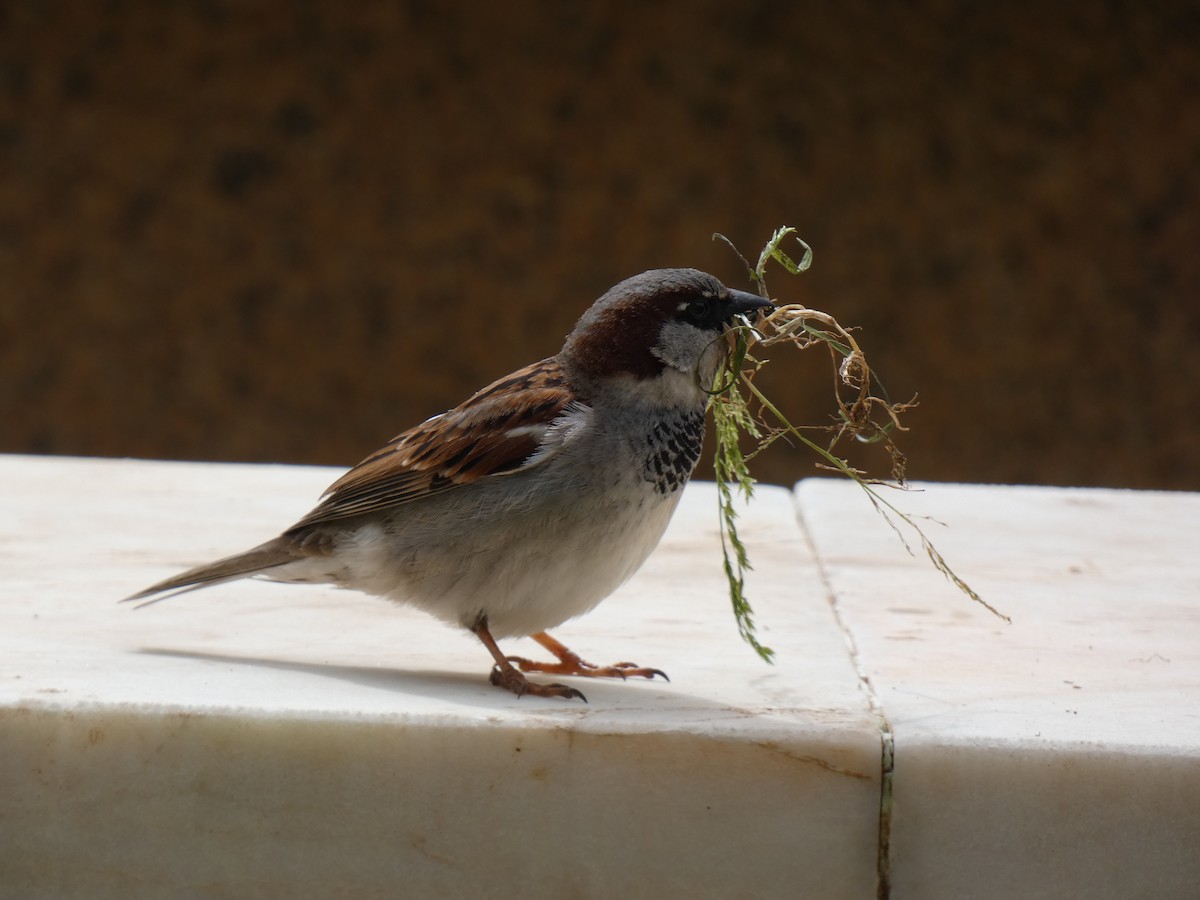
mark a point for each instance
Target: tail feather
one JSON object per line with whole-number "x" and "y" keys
{"x": 266, "y": 556}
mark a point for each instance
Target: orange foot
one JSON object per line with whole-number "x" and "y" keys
{"x": 512, "y": 680}
{"x": 569, "y": 663}
{"x": 505, "y": 676}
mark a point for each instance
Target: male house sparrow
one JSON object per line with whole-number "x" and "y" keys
{"x": 536, "y": 498}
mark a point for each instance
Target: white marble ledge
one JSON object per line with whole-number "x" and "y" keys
{"x": 267, "y": 740}
{"x": 1056, "y": 756}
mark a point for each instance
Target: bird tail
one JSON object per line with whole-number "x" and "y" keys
{"x": 262, "y": 558}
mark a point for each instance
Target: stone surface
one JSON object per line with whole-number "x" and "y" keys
{"x": 258, "y": 740}
{"x": 261, "y": 740}
{"x": 1056, "y": 756}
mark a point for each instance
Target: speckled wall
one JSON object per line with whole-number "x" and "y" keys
{"x": 286, "y": 231}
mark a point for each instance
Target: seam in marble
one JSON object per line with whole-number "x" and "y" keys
{"x": 883, "y": 857}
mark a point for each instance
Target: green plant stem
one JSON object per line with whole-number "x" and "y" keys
{"x": 881, "y": 504}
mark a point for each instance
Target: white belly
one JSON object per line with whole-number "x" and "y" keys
{"x": 528, "y": 570}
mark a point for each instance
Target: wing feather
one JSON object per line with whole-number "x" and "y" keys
{"x": 499, "y": 430}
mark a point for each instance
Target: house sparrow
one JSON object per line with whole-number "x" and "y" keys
{"x": 532, "y": 501}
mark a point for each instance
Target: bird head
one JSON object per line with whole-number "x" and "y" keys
{"x": 657, "y": 335}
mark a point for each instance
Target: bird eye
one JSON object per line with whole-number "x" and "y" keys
{"x": 699, "y": 310}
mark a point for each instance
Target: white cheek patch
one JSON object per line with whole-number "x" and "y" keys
{"x": 682, "y": 346}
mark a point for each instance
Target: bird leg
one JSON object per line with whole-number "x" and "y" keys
{"x": 569, "y": 663}
{"x": 505, "y": 676}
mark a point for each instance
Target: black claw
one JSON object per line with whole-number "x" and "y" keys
{"x": 573, "y": 693}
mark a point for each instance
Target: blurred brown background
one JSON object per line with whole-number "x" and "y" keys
{"x": 286, "y": 231}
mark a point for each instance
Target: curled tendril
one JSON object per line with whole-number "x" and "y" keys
{"x": 862, "y": 414}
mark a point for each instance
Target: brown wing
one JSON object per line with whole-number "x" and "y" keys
{"x": 495, "y": 432}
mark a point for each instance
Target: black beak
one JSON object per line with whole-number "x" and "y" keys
{"x": 744, "y": 303}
